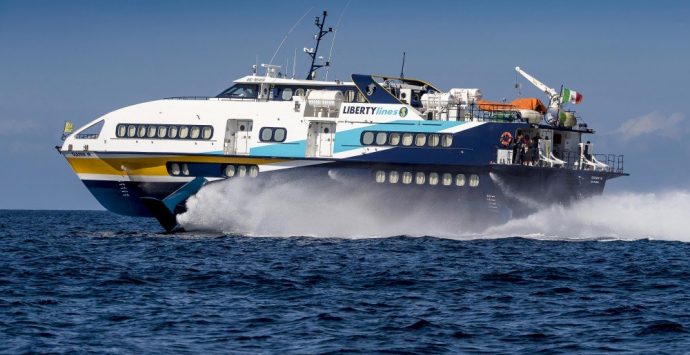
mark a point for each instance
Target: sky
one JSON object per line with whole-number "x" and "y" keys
{"x": 77, "y": 60}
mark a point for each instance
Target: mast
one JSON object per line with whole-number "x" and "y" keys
{"x": 319, "y": 22}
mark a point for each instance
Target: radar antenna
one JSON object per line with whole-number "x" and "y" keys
{"x": 319, "y": 22}
{"x": 402, "y": 69}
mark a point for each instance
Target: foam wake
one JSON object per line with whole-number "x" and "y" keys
{"x": 624, "y": 215}
{"x": 280, "y": 208}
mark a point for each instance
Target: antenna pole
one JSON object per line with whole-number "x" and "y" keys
{"x": 402, "y": 69}
{"x": 319, "y": 22}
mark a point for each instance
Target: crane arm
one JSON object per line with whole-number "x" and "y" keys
{"x": 547, "y": 90}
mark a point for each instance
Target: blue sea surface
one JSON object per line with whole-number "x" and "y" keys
{"x": 76, "y": 281}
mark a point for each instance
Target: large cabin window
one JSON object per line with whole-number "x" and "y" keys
{"x": 240, "y": 91}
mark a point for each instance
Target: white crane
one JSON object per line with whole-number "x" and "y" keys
{"x": 554, "y": 96}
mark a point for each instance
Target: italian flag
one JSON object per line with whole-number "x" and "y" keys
{"x": 571, "y": 96}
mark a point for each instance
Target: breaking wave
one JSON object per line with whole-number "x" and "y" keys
{"x": 240, "y": 206}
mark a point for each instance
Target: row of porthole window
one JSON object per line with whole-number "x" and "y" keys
{"x": 421, "y": 178}
{"x": 241, "y": 170}
{"x": 407, "y": 139}
{"x": 164, "y": 131}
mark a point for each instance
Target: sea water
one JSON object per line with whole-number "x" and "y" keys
{"x": 564, "y": 280}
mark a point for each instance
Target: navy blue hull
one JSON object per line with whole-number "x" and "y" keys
{"x": 502, "y": 191}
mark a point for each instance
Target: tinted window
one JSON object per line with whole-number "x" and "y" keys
{"x": 208, "y": 132}
{"x": 265, "y": 134}
{"x": 240, "y": 91}
{"x": 279, "y": 134}
{"x": 368, "y": 138}
{"x": 194, "y": 132}
{"x": 184, "y": 131}
{"x": 381, "y": 138}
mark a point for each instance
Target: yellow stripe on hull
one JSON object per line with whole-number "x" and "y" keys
{"x": 150, "y": 166}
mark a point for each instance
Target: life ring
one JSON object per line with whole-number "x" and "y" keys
{"x": 506, "y": 138}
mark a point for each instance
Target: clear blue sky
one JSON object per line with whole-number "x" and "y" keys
{"x": 76, "y": 60}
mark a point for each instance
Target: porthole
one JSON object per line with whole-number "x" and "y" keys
{"x": 194, "y": 132}
{"x": 381, "y": 138}
{"x": 151, "y": 132}
{"x": 241, "y": 170}
{"x": 207, "y": 133}
{"x": 433, "y": 178}
{"x": 131, "y": 131}
{"x": 266, "y": 134}
{"x": 474, "y": 180}
{"x": 183, "y": 132}
{"x": 279, "y": 134}
{"x": 419, "y": 178}
{"x": 394, "y": 138}
{"x": 380, "y": 176}
{"x": 185, "y": 169}
{"x": 446, "y": 140}
{"x": 230, "y": 171}
{"x": 393, "y": 177}
{"x": 326, "y": 130}
{"x": 253, "y": 171}
{"x": 407, "y": 178}
{"x": 420, "y": 139}
{"x": 460, "y": 180}
{"x": 141, "y": 131}
{"x": 287, "y": 94}
{"x": 162, "y": 131}
{"x": 407, "y": 139}
{"x": 172, "y": 132}
{"x": 175, "y": 169}
{"x": 434, "y": 140}
{"x": 447, "y": 179}
{"x": 121, "y": 130}
{"x": 368, "y": 138}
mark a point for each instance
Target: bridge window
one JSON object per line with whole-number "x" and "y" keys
{"x": 151, "y": 132}
{"x": 131, "y": 131}
{"x": 299, "y": 92}
{"x": 162, "y": 131}
{"x": 141, "y": 131}
{"x": 240, "y": 91}
{"x": 394, "y": 138}
{"x": 121, "y": 130}
{"x": 172, "y": 132}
